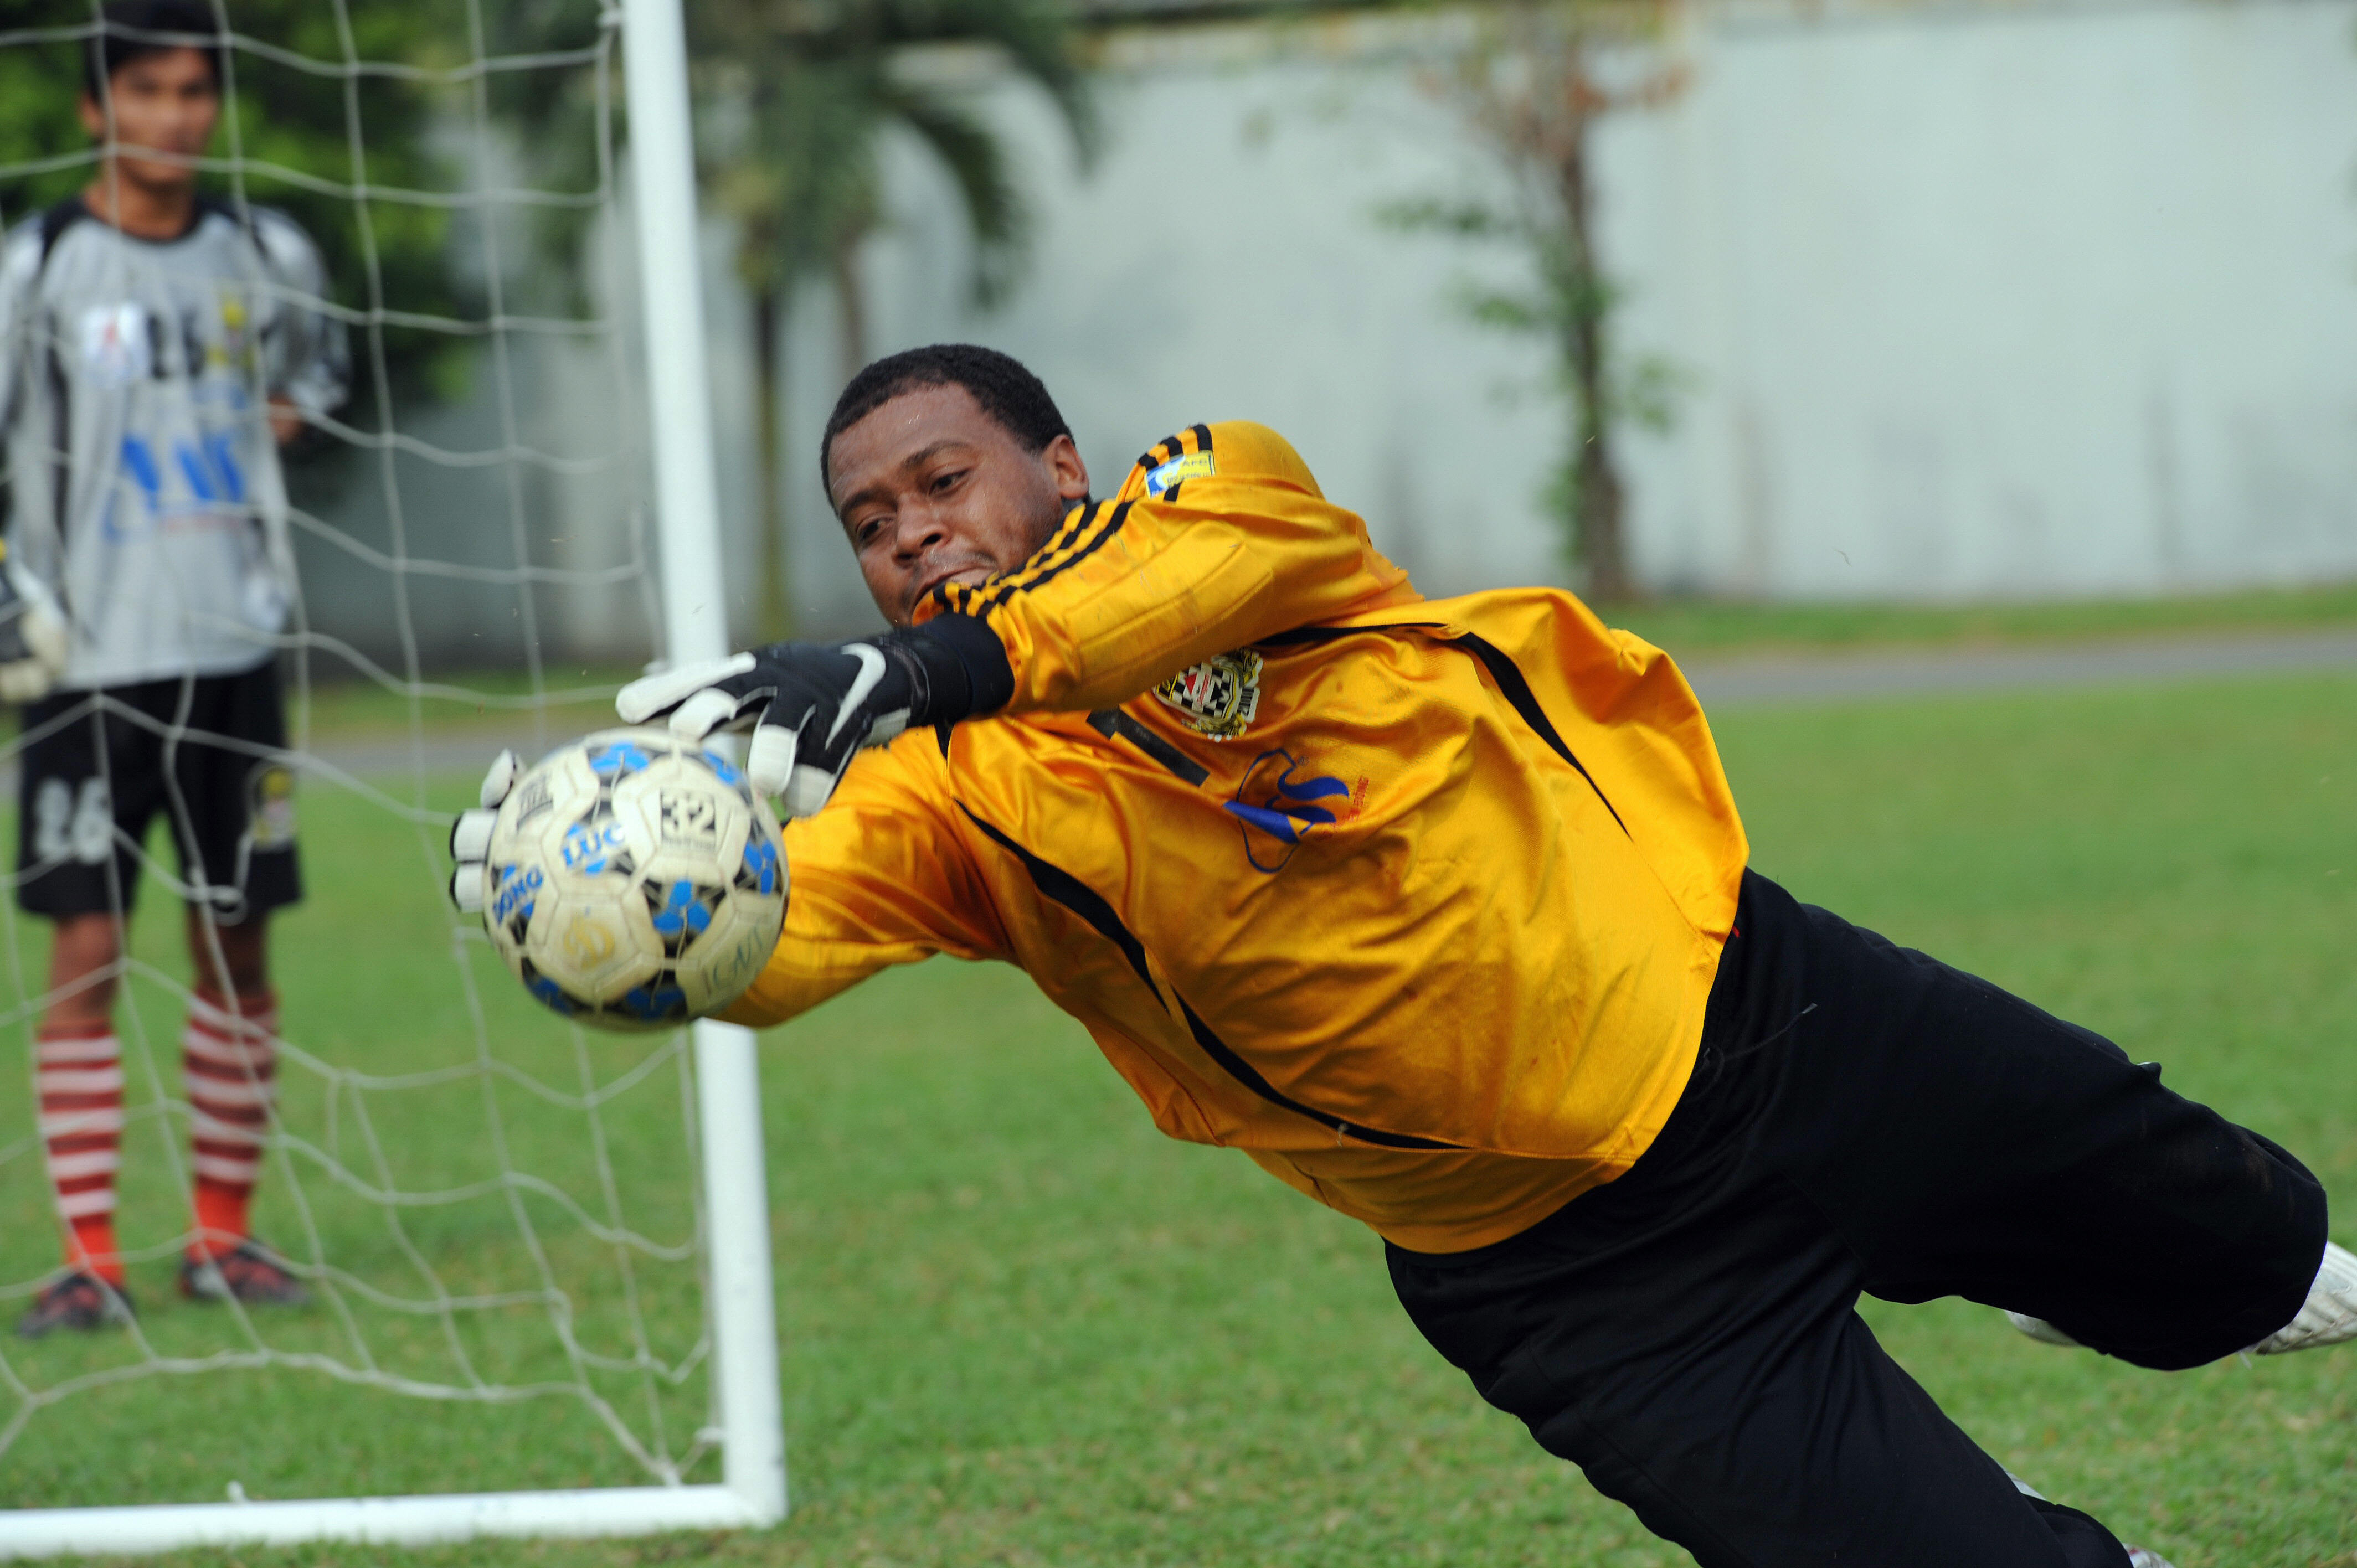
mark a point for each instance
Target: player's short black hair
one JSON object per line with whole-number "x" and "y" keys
{"x": 134, "y": 29}
{"x": 1008, "y": 393}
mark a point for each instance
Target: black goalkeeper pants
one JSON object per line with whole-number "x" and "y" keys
{"x": 1864, "y": 1118}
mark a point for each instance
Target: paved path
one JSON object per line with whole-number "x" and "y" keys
{"x": 1891, "y": 672}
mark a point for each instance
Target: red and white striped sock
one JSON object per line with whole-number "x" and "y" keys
{"x": 229, "y": 1060}
{"x": 78, "y": 1070}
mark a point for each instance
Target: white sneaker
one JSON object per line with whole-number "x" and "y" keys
{"x": 2139, "y": 1558}
{"x": 2038, "y": 1329}
{"x": 2329, "y": 1316}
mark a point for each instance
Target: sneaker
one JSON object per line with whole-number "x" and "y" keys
{"x": 249, "y": 1274}
{"x": 2139, "y": 1558}
{"x": 2038, "y": 1329}
{"x": 2329, "y": 1316}
{"x": 79, "y": 1300}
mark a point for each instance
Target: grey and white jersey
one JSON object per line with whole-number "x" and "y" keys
{"x": 143, "y": 482}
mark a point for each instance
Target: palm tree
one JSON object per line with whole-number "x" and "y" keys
{"x": 797, "y": 97}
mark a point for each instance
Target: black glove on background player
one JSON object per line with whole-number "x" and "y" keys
{"x": 811, "y": 705}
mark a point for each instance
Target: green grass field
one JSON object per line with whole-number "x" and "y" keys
{"x": 1020, "y": 1327}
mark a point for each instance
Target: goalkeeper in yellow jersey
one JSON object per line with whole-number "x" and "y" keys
{"x": 1437, "y": 909}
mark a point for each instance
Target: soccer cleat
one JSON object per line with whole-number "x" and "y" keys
{"x": 2139, "y": 1558}
{"x": 81, "y": 1302}
{"x": 249, "y": 1274}
{"x": 2038, "y": 1329}
{"x": 2329, "y": 1316}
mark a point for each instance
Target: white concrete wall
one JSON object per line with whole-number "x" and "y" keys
{"x": 2009, "y": 303}
{"x": 1979, "y": 301}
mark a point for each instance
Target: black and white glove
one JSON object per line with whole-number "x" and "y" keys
{"x": 470, "y": 835}
{"x": 32, "y": 634}
{"x": 811, "y": 705}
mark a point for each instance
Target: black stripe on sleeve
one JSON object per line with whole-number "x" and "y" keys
{"x": 1062, "y": 887}
{"x": 959, "y": 597}
{"x": 1075, "y": 526}
{"x": 1075, "y": 519}
{"x": 1170, "y": 448}
{"x": 998, "y": 589}
{"x": 1105, "y": 529}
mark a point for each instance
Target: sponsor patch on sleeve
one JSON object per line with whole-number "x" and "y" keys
{"x": 1193, "y": 466}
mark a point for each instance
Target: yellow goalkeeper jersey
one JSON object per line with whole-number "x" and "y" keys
{"x": 1417, "y": 902}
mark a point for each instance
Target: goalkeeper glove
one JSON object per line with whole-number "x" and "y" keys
{"x": 812, "y": 706}
{"x": 32, "y": 634}
{"x": 470, "y": 835}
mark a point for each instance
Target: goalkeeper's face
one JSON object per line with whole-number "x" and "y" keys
{"x": 932, "y": 489}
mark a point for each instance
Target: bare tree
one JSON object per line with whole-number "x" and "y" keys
{"x": 1534, "y": 82}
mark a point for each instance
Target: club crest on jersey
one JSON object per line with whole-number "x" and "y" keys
{"x": 1219, "y": 696}
{"x": 1193, "y": 466}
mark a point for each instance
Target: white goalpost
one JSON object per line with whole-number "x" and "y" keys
{"x": 713, "y": 1072}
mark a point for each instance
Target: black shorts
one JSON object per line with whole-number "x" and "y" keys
{"x": 1862, "y": 1117}
{"x": 207, "y": 751}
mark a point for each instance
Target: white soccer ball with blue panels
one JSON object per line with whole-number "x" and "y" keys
{"x": 634, "y": 881}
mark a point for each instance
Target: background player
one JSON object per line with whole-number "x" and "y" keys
{"x": 156, "y": 350}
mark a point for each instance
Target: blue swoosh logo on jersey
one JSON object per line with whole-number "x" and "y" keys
{"x": 1288, "y": 811}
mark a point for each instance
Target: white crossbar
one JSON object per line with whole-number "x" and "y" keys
{"x": 388, "y": 1521}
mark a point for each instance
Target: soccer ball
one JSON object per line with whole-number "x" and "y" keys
{"x": 634, "y": 881}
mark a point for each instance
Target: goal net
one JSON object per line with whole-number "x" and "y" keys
{"x": 534, "y": 1260}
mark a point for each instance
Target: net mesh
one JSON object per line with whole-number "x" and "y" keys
{"x": 496, "y": 1216}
